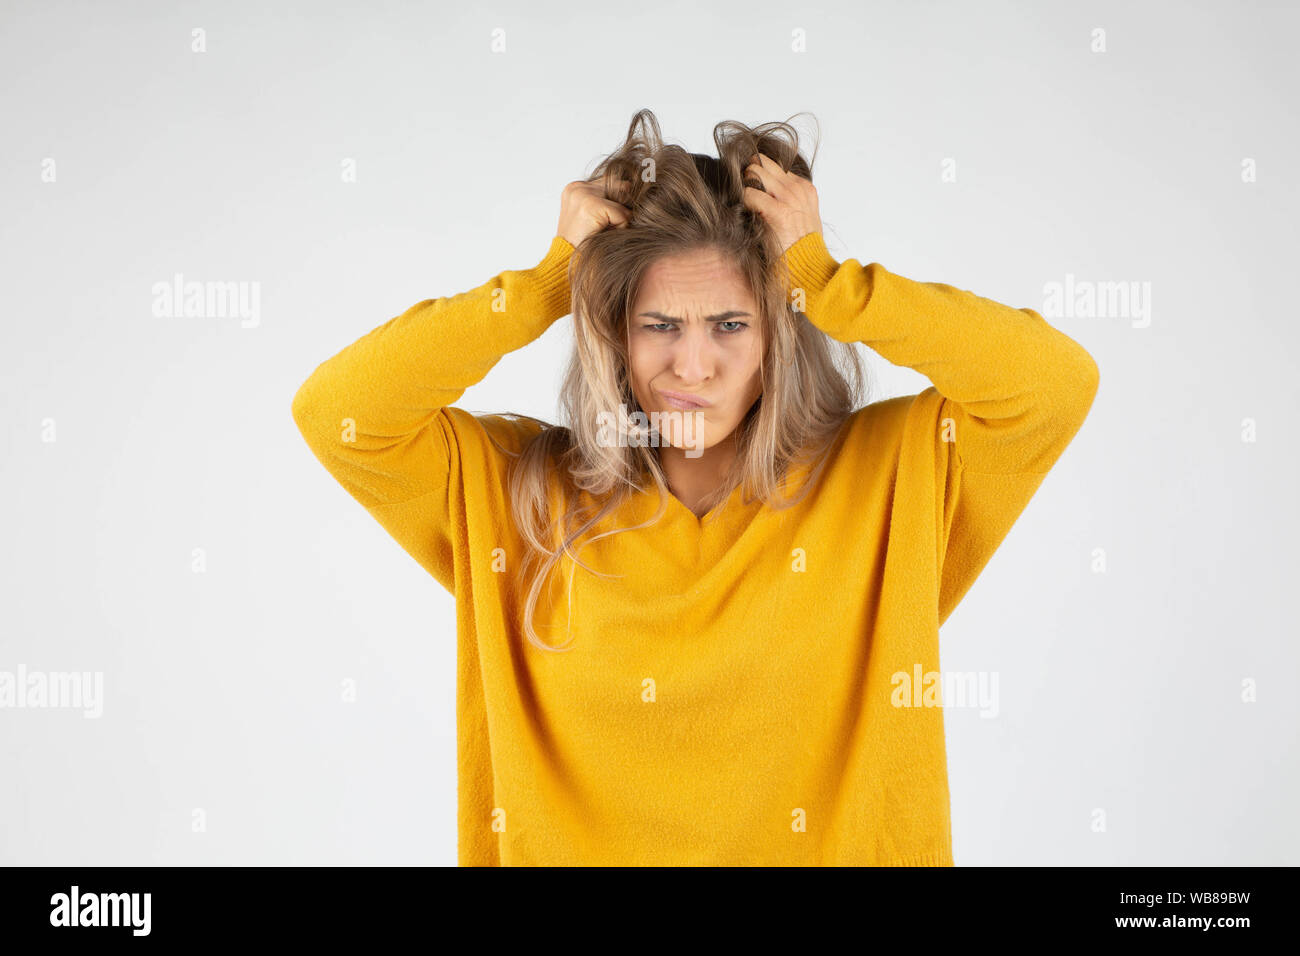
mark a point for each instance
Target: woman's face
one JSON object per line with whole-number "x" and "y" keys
{"x": 694, "y": 330}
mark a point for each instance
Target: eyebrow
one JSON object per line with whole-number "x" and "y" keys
{"x": 720, "y": 317}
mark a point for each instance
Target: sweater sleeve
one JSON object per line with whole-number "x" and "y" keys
{"x": 378, "y": 414}
{"x": 1012, "y": 391}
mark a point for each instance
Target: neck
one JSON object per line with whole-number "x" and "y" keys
{"x": 693, "y": 480}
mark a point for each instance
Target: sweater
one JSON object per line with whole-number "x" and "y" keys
{"x": 737, "y": 690}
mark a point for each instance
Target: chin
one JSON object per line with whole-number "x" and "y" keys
{"x": 703, "y": 437}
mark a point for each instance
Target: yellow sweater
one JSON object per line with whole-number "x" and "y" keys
{"x": 731, "y": 699}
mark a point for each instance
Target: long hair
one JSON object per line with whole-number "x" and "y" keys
{"x": 565, "y": 479}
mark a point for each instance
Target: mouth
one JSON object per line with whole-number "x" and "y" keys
{"x": 683, "y": 401}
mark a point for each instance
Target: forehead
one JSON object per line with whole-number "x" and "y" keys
{"x": 704, "y": 278}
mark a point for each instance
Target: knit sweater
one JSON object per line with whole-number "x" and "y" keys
{"x": 736, "y": 689}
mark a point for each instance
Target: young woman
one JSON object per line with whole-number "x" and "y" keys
{"x": 746, "y": 570}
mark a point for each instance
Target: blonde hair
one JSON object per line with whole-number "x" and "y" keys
{"x": 689, "y": 202}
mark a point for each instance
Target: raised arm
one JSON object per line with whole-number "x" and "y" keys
{"x": 379, "y": 414}
{"x": 1017, "y": 389}
{"x": 376, "y": 414}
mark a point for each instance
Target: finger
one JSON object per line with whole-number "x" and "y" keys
{"x": 607, "y": 216}
{"x": 759, "y": 201}
{"x": 616, "y": 213}
{"x": 777, "y": 171}
{"x": 767, "y": 171}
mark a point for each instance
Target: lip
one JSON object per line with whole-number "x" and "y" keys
{"x": 683, "y": 400}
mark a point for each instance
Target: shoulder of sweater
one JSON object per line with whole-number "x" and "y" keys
{"x": 883, "y": 424}
{"x": 885, "y": 413}
{"x": 510, "y": 429}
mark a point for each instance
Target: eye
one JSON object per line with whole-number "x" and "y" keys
{"x": 662, "y": 327}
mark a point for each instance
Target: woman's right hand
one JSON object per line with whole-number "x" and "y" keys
{"x": 584, "y": 210}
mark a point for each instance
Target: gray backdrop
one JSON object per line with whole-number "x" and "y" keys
{"x": 166, "y": 527}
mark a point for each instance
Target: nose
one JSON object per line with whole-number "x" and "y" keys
{"x": 694, "y": 357}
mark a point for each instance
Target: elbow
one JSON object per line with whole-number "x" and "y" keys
{"x": 1083, "y": 381}
{"x": 1089, "y": 379}
{"x": 305, "y": 409}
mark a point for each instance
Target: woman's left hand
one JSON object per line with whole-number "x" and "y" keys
{"x": 787, "y": 203}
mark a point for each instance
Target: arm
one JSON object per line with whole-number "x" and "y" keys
{"x": 1017, "y": 389}
{"x": 376, "y": 414}
{"x": 1012, "y": 390}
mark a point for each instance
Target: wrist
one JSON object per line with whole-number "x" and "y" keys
{"x": 551, "y": 276}
{"x": 810, "y": 264}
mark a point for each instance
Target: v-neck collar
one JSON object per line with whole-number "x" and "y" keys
{"x": 733, "y": 510}
{"x": 700, "y": 521}
{"x": 694, "y": 546}
{"x": 681, "y": 553}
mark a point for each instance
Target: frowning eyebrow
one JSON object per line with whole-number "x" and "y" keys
{"x": 720, "y": 317}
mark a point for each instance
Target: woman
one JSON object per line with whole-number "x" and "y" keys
{"x": 745, "y": 588}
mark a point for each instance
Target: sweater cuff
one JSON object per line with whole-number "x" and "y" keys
{"x": 551, "y": 278}
{"x": 811, "y": 264}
